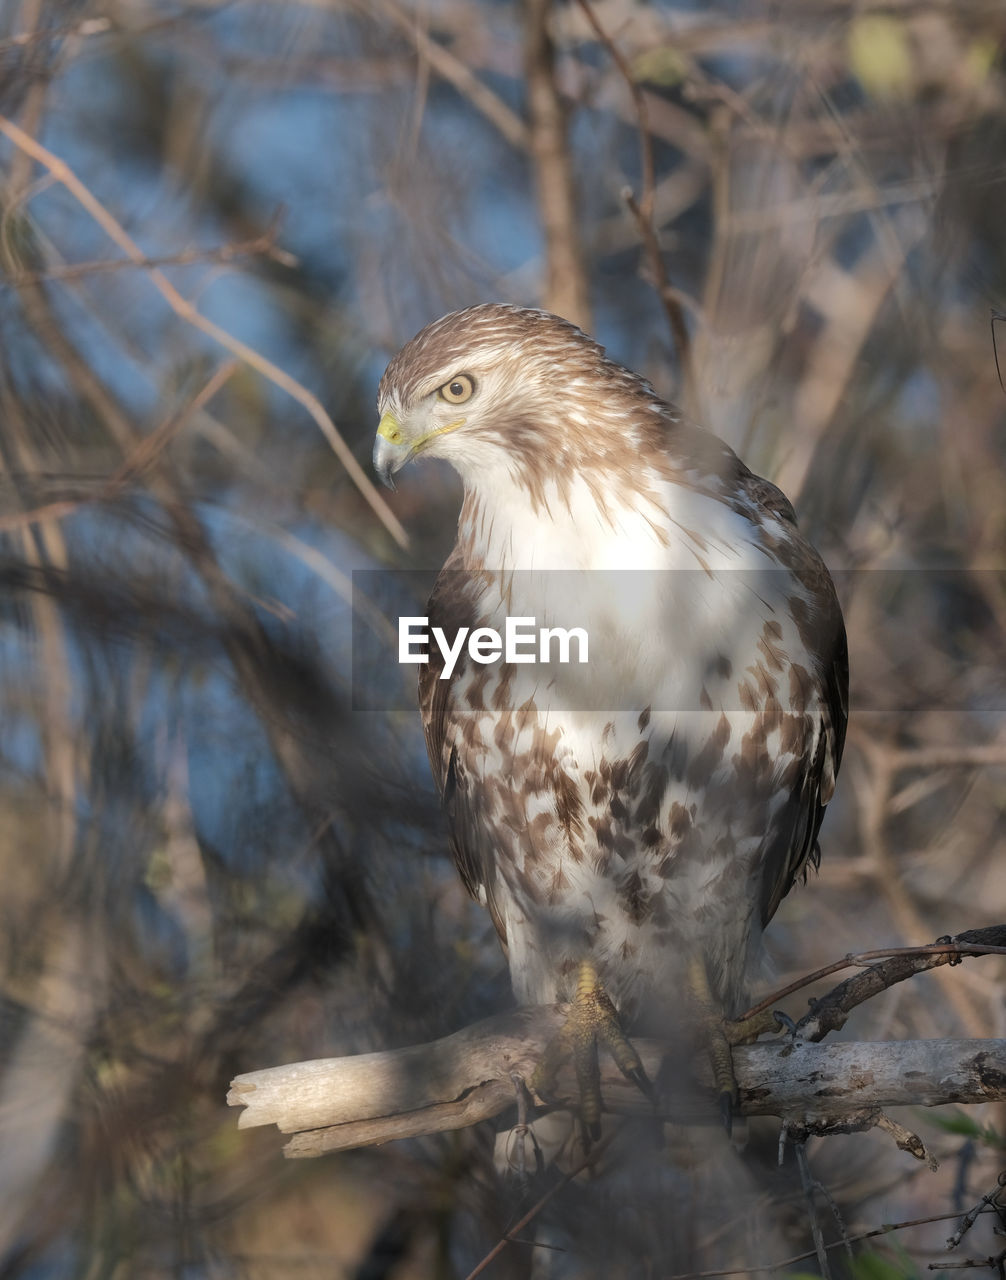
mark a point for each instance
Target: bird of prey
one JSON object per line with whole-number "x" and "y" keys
{"x": 631, "y": 824}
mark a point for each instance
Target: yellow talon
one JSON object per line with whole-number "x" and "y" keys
{"x": 592, "y": 1020}
{"x": 713, "y": 1029}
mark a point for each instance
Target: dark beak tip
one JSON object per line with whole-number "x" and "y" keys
{"x": 385, "y": 474}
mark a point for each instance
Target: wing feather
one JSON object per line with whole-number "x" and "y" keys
{"x": 823, "y": 634}
{"x": 444, "y": 712}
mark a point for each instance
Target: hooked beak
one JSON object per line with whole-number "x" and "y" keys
{"x": 391, "y": 452}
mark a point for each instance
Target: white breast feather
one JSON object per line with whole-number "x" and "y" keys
{"x": 652, "y": 631}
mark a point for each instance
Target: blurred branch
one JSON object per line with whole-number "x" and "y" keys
{"x": 955, "y": 755}
{"x": 43, "y": 1064}
{"x": 566, "y": 290}
{"x": 44, "y": 1056}
{"x": 848, "y": 304}
{"x": 645, "y": 206}
{"x": 875, "y": 787}
{"x": 512, "y": 1235}
{"x": 264, "y": 244}
{"x": 773, "y": 1268}
{"x": 188, "y": 312}
{"x": 336, "y": 1104}
{"x": 643, "y": 211}
{"x": 89, "y": 27}
{"x": 140, "y": 458}
{"x": 269, "y": 683}
{"x": 456, "y": 72}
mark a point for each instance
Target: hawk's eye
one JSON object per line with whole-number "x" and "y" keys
{"x": 458, "y": 390}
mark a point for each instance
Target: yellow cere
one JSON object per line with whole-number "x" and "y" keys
{"x": 389, "y": 429}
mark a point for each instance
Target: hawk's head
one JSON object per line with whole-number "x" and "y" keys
{"x": 498, "y": 381}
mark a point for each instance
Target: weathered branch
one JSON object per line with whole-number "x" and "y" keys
{"x": 337, "y": 1103}
{"x": 831, "y": 1012}
{"x": 896, "y": 964}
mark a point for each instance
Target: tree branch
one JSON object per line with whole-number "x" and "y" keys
{"x": 566, "y": 289}
{"x": 335, "y": 1104}
{"x": 642, "y": 211}
{"x": 264, "y": 244}
{"x": 897, "y": 964}
{"x": 455, "y": 72}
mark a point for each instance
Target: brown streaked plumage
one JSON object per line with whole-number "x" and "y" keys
{"x": 655, "y": 807}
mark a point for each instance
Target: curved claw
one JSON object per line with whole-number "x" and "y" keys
{"x": 644, "y": 1084}
{"x": 592, "y": 1021}
{"x": 727, "y": 1111}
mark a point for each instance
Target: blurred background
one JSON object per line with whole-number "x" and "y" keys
{"x": 218, "y": 220}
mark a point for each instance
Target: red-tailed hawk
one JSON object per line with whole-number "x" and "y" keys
{"x": 640, "y": 817}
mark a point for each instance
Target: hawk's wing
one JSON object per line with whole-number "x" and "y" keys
{"x": 796, "y": 843}
{"x": 452, "y": 607}
{"x": 822, "y": 631}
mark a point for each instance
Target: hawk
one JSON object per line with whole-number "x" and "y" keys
{"x": 632, "y": 824}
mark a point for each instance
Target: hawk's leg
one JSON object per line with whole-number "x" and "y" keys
{"x": 713, "y": 1029}
{"x": 592, "y": 1021}
{"x": 720, "y": 1035}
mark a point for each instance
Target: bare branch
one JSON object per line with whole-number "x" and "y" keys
{"x": 830, "y": 1013}
{"x": 334, "y": 1104}
{"x": 898, "y": 964}
{"x": 991, "y": 1200}
{"x": 457, "y": 73}
{"x": 645, "y": 206}
{"x": 264, "y": 244}
{"x": 783, "y": 1263}
{"x": 643, "y": 210}
{"x": 848, "y": 304}
{"x": 566, "y": 291}
{"x": 513, "y": 1234}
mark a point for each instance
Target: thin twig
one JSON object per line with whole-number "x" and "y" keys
{"x": 993, "y": 1260}
{"x": 61, "y": 171}
{"x": 945, "y": 949}
{"x": 263, "y": 244}
{"x": 809, "y": 1183}
{"x": 990, "y": 1201}
{"x": 884, "y": 1230}
{"x": 532, "y": 1213}
{"x": 645, "y": 205}
{"x": 457, "y": 73}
